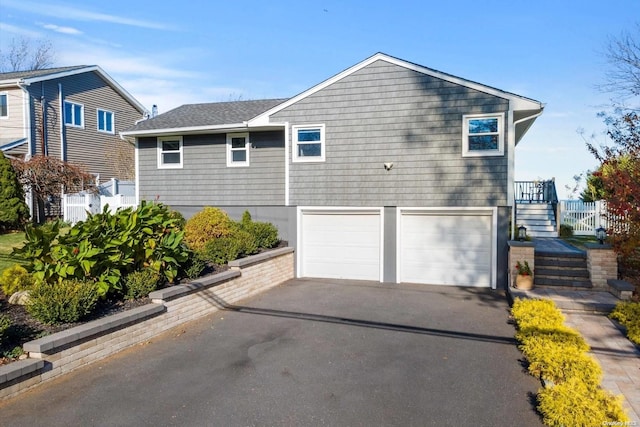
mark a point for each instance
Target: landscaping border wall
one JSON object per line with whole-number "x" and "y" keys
{"x": 60, "y": 353}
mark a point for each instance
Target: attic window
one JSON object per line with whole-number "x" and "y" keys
{"x": 483, "y": 135}
{"x": 308, "y": 143}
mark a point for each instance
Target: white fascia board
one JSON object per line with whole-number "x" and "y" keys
{"x": 518, "y": 102}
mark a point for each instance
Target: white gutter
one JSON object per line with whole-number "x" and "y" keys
{"x": 184, "y": 130}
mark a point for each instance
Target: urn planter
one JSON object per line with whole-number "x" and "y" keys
{"x": 524, "y": 282}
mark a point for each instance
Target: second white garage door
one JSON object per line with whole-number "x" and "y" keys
{"x": 451, "y": 248}
{"x": 340, "y": 244}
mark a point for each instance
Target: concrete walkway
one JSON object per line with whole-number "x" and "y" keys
{"x": 586, "y": 311}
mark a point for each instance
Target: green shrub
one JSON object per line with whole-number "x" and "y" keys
{"x": 628, "y": 314}
{"x": 206, "y": 225}
{"x": 5, "y": 324}
{"x": 224, "y": 249}
{"x": 65, "y": 301}
{"x": 15, "y": 279}
{"x": 194, "y": 266}
{"x": 108, "y": 246}
{"x": 566, "y": 230}
{"x": 14, "y": 212}
{"x": 139, "y": 284}
{"x": 576, "y": 404}
{"x": 264, "y": 233}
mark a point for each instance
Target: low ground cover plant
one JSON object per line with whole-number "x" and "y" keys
{"x": 628, "y": 314}
{"x": 557, "y": 355}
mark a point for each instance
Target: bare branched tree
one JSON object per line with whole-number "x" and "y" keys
{"x": 24, "y": 54}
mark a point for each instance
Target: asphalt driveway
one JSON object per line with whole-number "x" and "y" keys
{"x": 307, "y": 353}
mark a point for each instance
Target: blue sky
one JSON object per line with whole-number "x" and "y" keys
{"x": 172, "y": 53}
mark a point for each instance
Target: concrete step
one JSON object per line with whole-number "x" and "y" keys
{"x": 544, "y": 234}
{"x": 555, "y": 263}
{"x": 560, "y": 282}
{"x": 561, "y": 272}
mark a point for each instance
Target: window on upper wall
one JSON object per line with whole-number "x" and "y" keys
{"x": 73, "y": 114}
{"x": 483, "y": 135}
{"x": 170, "y": 152}
{"x": 4, "y": 105}
{"x": 237, "y": 149}
{"x": 308, "y": 143}
{"x": 105, "y": 121}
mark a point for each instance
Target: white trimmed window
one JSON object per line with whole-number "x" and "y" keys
{"x": 4, "y": 105}
{"x": 169, "y": 152}
{"x": 105, "y": 121}
{"x": 483, "y": 135}
{"x": 237, "y": 149}
{"x": 308, "y": 143}
{"x": 73, "y": 114}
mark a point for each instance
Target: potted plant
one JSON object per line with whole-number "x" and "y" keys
{"x": 524, "y": 277}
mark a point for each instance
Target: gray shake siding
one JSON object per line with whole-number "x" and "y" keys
{"x": 387, "y": 113}
{"x": 205, "y": 179}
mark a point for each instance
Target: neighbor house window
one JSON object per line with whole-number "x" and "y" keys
{"x": 105, "y": 121}
{"x": 308, "y": 143}
{"x": 237, "y": 149}
{"x": 169, "y": 152}
{"x": 483, "y": 135}
{"x": 4, "y": 105}
{"x": 73, "y": 114}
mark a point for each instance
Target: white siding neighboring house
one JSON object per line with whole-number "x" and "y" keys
{"x": 387, "y": 171}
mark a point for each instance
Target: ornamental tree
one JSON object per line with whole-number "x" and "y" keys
{"x": 14, "y": 212}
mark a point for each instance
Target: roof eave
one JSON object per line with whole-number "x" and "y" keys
{"x": 184, "y": 130}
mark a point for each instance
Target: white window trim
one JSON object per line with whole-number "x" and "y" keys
{"x": 6, "y": 94}
{"x": 113, "y": 121}
{"x": 294, "y": 145}
{"x": 230, "y": 150}
{"x": 162, "y": 165}
{"x": 465, "y": 135}
{"x": 81, "y": 125}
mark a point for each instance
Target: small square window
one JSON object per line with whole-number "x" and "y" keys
{"x": 73, "y": 114}
{"x": 170, "y": 152}
{"x": 308, "y": 143}
{"x": 237, "y": 149}
{"x": 482, "y": 135}
{"x": 105, "y": 121}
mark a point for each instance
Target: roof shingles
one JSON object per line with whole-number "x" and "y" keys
{"x": 209, "y": 114}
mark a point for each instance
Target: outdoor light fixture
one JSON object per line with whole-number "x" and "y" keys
{"x": 522, "y": 233}
{"x": 601, "y": 234}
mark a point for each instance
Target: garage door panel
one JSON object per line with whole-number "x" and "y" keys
{"x": 452, "y": 249}
{"x": 341, "y": 245}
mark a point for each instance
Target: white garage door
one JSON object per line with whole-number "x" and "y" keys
{"x": 340, "y": 244}
{"x": 445, "y": 249}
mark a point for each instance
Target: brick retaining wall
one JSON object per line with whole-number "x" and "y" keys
{"x": 60, "y": 353}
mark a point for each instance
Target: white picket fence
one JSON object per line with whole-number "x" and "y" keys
{"x": 584, "y": 217}
{"x": 75, "y": 207}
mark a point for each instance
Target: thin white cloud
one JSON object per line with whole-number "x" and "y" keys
{"x": 20, "y": 31}
{"x": 61, "y": 29}
{"x": 74, "y": 13}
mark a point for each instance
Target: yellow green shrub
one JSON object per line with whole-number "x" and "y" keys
{"x": 576, "y": 404}
{"x": 206, "y": 225}
{"x": 560, "y": 364}
{"x": 532, "y": 313}
{"x": 15, "y": 279}
{"x": 628, "y": 314}
{"x": 560, "y": 335}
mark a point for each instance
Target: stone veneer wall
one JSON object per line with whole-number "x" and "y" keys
{"x": 57, "y": 354}
{"x": 602, "y": 263}
{"x": 520, "y": 251}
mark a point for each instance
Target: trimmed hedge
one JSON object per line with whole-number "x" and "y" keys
{"x": 628, "y": 314}
{"x": 15, "y": 279}
{"x": 65, "y": 301}
{"x": 558, "y": 355}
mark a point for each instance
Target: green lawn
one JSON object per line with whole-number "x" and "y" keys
{"x": 7, "y": 243}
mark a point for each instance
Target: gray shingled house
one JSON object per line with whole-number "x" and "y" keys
{"x": 387, "y": 171}
{"x": 73, "y": 113}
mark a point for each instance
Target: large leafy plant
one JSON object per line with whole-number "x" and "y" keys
{"x": 108, "y": 246}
